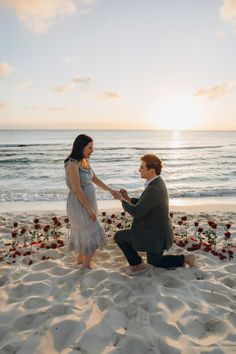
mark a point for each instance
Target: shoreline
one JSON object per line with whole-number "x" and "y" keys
{"x": 190, "y": 205}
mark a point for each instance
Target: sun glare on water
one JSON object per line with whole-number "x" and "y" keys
{"x": 177, "y": 113}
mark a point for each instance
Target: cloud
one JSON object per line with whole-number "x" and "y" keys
{"x": 52, "y": 108}
{"x": 58, "y": 109}
{"x": 25, "y": 85}
{"x": 3, "y": 105}
{"x": 69, "y": 60}
{"x": 5, "y": 69}
{"x": 85, "y": 6}
{"x": 109, "y": 95}
{"x": 33, "y": 108}
{"x": 39, "y": 15}
{"x": 73, "y": 84}
{"x": 63, "y": 88}
{"x": 228, "y": 11}
{"x": 216, "y": 91}
{"x": 220, "y": 34}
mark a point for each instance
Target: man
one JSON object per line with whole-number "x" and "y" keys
{"x": 151, "y": 230}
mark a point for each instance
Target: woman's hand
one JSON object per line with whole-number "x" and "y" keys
{"x": 119, "y": 196}
{"x": 92, "y": 214}
{"x": 114, "y": 193}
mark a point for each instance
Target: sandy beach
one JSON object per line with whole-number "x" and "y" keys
{"x": 53, "y": 306}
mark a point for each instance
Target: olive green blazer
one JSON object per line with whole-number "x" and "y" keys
{"x": 152, "y": 227}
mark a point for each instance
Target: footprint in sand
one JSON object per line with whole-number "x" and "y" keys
{"x": 29, "y": 321}
{"x": 66, "y": 332}
{"x": 60, "y": 271}
{"x": 131, "y": 310}
{"x": 36, "y": 319}
{"x": 35, "y": 277}
{"x": 4, "y": 280}
{"x": 24, "y": 290}
{"x": 36, "y": 302}
{"x": 103, "y": 303}
{"x": 45, "y": 265}
{"x": 229, "y": 281}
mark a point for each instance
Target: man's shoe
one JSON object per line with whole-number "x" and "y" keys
{"x": 139, "y": 269}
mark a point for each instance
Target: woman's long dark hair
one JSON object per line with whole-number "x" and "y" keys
{"x": 77, "y": 150}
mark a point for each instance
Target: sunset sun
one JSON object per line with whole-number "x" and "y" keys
{"x": 176, "y": 113}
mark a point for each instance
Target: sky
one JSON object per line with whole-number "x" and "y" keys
{"x": 118, "y": 64}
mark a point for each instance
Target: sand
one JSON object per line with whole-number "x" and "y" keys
{"x": 53, "y": 306}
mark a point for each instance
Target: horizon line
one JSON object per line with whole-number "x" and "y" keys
{"x": 121, "y": 129}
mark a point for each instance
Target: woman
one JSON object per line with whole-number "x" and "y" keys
{"x": 87, "y": 233}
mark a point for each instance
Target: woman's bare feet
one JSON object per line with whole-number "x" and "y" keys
{"x": 87, "y": 266}
{"x": 190, "y": 259}
{"x": 79, "y": 259}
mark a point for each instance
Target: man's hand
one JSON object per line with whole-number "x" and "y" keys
{"x": 119, "y": 196}
{"x": 125, "y": 195}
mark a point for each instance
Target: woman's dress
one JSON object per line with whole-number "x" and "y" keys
{"x": 86, "y": 235}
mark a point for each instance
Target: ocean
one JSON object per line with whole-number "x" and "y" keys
{"x": 196, "y": 164}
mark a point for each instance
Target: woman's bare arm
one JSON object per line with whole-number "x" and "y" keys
{"x": 74, "y": 177}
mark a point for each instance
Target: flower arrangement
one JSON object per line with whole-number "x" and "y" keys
{"x": 33, "y": 243}
{"x": 204, "y": 238}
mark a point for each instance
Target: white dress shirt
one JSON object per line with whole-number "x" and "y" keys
{"x": 149, "y": 181}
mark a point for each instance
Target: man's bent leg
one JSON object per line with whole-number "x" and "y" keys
{"x": 169, "y": 261}
{"x": 123, "y": 239}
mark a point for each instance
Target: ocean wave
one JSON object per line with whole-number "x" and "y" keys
{"x": 204, "y": 193}
{"x": 26, "y": 145}
{"x": 148, "y": 148}
{"x": 62, "y": 196}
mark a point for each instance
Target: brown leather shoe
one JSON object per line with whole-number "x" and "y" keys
{"x": 139, "y": 269}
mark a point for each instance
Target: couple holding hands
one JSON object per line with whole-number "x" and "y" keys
{"x": 151, "y": 230}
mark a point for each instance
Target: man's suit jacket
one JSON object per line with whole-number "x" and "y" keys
{"x": 152, "y": 227}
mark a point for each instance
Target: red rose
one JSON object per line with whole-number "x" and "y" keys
{"x": 184, "y": 218}
{"x": 36, "y": 221}
{"x": 227, "y": 234}
{"x": 15, "y": 224}
{"x": 228, "y": 225}
{"x": 214, "y": 226}
{"x": 180, "y": 222}
{"x": 37, "y": 226}
{"x": 55, "y": 220}
{"x": 196, "y": 224}
{"x": 66, "y": 220}
{"x": 200, "y": 229}
{"x": 103, "y": 213}
{"x": 222, "y": 257}
{"x": 46, "y": 228}
{"x": 14, "y": 234}
{"x": 123, "y": 213}
{"x": 53, "y": 245}
{"x": 171, "y": 215}
{"x": 23, "y": 230}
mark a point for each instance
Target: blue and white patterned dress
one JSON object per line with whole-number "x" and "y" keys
{"x": 86, "y": 235}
